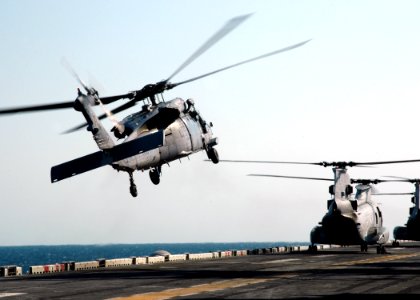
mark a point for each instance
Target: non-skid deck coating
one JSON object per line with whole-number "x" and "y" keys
{"x": 328, "y": 273}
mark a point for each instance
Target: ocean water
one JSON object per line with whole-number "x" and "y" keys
{"x": 26, "y": 256}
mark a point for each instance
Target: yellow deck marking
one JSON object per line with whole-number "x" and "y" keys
{"x": 201, "y": 288}
{"x": 275, "y": 261}
{"x": 376, "y": 259}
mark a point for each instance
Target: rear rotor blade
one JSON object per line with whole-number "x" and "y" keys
{"x": 242, "y": 62}
{"x": 70, "y": 69}
{"x": 103, "y": 116}
{"x": 75, "y": 128}
{"x": 292, "y": 177}
{"x": 228, "y": 27}
{"x": 89, "y": 90}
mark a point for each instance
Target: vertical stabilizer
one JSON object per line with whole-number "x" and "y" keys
{"x": 414, "y": 211}
{"x": 84, "y": 104}
{"x": 342, "y": 180}
{"x": 341, "y": 192}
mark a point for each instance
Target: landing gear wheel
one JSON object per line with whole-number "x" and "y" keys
{"x": 154, "y": 175}
{"x": 395, "y": 244}
{"x": 213, "y": 155}
{"x": 312, "y": 249}
{"x": 364, "y": 247}
{"x": 133, "y": 187}
{"x": 380, "y": 249}
{"x": 133, "y": 190}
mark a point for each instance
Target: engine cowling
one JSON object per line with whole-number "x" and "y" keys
{"x": 119, "y": 133}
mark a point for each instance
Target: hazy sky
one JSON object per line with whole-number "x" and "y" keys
{"x": 352, "y": 93}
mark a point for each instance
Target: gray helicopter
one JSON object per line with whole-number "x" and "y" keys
{"x": 352, "y": 218}
{"x": 161, "y": 132}
{"x": 411, "y": 230}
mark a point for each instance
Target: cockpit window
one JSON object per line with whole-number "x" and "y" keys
{"x": 360, "y": 195}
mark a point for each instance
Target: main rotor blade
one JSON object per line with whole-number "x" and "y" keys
{"x": 110, "y": 99}
{"x": 386, "y": 162}
{"x": 293, "y": 177}
{"x": 228, "y": 27}
{"x": 243, "y": 62}
{"x": 68, "y": 104}
{"x": 373, "y": 181}
{"x": 398, "y": 177}
{"x": 361, "y": 181}
{"x": 268, "y": 162}
{"x": 392, "y": 194}
{"x": 404, "y": 179}
{"x": 340, "y": 164}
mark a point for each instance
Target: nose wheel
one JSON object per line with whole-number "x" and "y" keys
{"x": 133, "y": 187}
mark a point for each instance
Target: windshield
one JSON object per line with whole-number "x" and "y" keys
{"x": 361, "y": 195}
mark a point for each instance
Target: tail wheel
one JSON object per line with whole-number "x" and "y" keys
{"x": 154, "y": 175}
{"x": 213, "y": 155}
{"x": 133, "y": 187}
{"x": 133, "y": 190}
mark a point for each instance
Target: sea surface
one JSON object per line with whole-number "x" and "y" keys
{"x": 26, "y": 256}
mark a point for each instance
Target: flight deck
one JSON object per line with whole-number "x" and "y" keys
{"x": 327, "y": 273}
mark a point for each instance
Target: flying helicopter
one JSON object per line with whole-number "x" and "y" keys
{"x": 161, "y": 132}
{"x": 350, "y": 219}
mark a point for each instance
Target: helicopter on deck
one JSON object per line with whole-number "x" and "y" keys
{"x": 411, "y": 230}
{"x": 161, "y": 132}
{"x": 351, "y": 219}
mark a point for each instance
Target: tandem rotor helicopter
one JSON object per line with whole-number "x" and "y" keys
{"x": 350, "y": 219}
{"x": 411, "y": 230}
{"x": 159, "y": 133}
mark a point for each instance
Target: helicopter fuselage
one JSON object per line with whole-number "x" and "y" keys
{"x": 155, "y": 136}
{"x": 411, "y": 230}
{"x": 184, "y": 135}
{"x": 350, "y": 221}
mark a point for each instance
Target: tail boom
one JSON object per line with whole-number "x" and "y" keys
{"x": 107, "y": 157}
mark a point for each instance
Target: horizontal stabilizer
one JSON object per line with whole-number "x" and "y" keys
{"x": 106, "y": 157}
